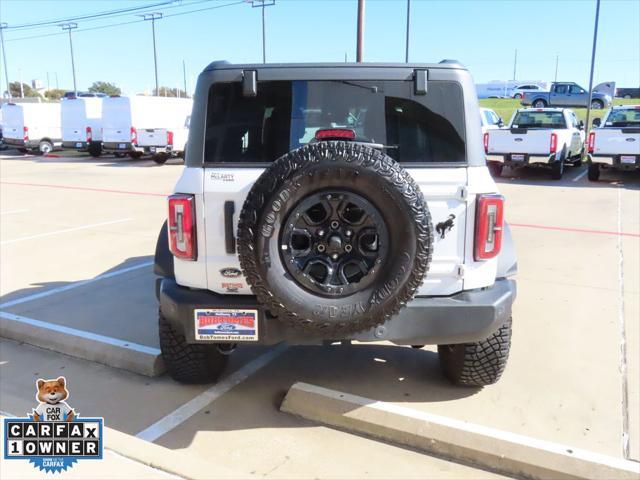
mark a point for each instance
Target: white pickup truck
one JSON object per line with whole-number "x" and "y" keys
{"x": 615, "y": 143}
{"x": 548, "y": 137}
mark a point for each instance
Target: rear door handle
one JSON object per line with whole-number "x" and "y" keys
{"x": 229, "y": 237}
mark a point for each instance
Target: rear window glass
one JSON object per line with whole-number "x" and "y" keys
{"x": 624, "y": 118}
{"x": 539, "y": 120}
{"x": 286, "y": 115}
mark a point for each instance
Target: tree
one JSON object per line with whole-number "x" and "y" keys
{"x": 28, "y": 91}
{"x": 54, "y": 94}
{"x": 104, "y": 87}
{"x": 169, "y": 92}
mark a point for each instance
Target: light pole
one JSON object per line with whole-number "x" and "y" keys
{"x": 68, "y": 27}
{"x": 360, "y": 37}
{"x": 4, "y": 58}
{"x": 556, "y": 76}
{"x": 515, "y": 63}
{"x": 184, "y": 78}
{"x": 153, "y": 17}
{"x": 593, "y": 61}
{"x": 406, "y": 50}
{"x": 262, "y": 4}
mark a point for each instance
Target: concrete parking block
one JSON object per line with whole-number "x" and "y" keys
{"x": 492, "y": 448}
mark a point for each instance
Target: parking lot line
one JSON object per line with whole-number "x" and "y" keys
{"x": 11, "y": 212}
{"x": 193, "y": 406}
{"x": 66, "y": 230}
{"x": 575, "y": 230}
{"x": 87, "y": 189}
{"x": 579, "y": 176}
{"x": 71, "y": 286}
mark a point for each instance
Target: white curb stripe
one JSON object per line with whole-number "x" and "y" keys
{"x": 66, "y": 230}
{"x": 71, "y": 286}
{"x": 96, "y": 337}
{"x": 193, "y": 406}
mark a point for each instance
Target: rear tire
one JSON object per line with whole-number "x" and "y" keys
{"x": 594, "y": 172}
{"x": 135, "y": 155}
{"x": 597, "y": 105}
{"x": 160, "y": 158}
{"x": 45, "y": 147}
{"x": 495, "y": 169}
{"x": 189, "y": 362}
{"x": 477, "y": 364}
{"x": 557, "y": 167}
{"x": 95, "y": 149}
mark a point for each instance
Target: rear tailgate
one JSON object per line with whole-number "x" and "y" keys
{"x": 616, "y": 141}
{"x": 152, "y": 137}
{"x": 519, "y": 140}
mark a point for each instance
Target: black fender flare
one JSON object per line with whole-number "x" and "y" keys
{"x": 163, "y": 260}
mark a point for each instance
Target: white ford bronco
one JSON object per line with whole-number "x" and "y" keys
{"x": 335, "y": 202}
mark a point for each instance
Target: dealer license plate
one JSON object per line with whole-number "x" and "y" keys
{"x": 226, "y": 325}
{"x": 627, "y": 159}
{"x": 517, "y": 157}
{"x": 78, "y": 144}
{"x": 122, "y": 146}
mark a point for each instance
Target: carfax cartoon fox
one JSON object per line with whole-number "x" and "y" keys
{"x": 52, "y": 407}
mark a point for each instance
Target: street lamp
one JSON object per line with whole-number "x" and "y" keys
{"x": 68, "y": 27}
{"x": 153, "y": 17}
{"x": 593, "y": 61}
{"x": 262, "y": 4}
{"x": 406, "y": 51}
{"x": 4, "y": 58}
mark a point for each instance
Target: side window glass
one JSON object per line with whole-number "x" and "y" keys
{"x": 561, "y": 89}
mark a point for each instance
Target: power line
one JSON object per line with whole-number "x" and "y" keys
{"x": 125, "y": 23}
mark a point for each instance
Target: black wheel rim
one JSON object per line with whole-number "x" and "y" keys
{"x": 334, "y": 242}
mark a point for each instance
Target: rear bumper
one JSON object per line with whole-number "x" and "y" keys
{"x": 75, "y": 145}
{"x": 117, "y": 147}
{"x": 18, "y": 142}
{"x": 528, "y": 159}
{"x": 615, "y": 161}
{"x": 465, "y": 317}
{"x": 153, "y": 149}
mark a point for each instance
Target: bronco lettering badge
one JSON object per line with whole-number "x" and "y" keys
{"x": 53, "y": 437}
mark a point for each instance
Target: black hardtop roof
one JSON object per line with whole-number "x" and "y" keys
{"x": 224, "y": 65}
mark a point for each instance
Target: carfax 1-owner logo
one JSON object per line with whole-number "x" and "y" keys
{"x": 53, "y": 436}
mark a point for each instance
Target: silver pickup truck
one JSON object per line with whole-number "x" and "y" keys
{"x": 567, "y": 94}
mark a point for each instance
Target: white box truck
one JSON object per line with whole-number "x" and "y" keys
{"x": 32, "y": 126}
{"x": 140, "y": 124}
{"x": 82, "y": 124}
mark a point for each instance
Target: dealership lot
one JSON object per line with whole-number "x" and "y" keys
{"x": 573, "y": 375}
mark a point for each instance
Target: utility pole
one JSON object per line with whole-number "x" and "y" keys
{"x": 57, "y": 84}
{"x": 4, "y": 58}
{"x": 556, "y": 76}
{"x": 153, "y": 17}
{"x": 360, "y": 39}
{"x": 593, "y": 61}
{"x": 184, "y": 79}
{"x": 515, "y": 63}
{"x": 48, "y": 83}
{"x": 262, "y": 4}
{"x": 68, "y": 27}
{"x": 406, "y": 52}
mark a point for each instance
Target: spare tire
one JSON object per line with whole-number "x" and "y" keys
{"x": 334, "y": 238}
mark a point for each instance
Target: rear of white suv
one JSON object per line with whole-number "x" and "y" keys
{"x": 378, "y": 222}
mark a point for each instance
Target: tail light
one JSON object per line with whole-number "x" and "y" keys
{"x": 89, "y": 135}
{"x": 182, "y": 226}
{"x": 486, "y": 142}
{"x": 134, "y": 136}
{"x": 592, "y": 142}
{"x": 335, "y": 134}
{"x": 25, "y": 134}
{"x": 169, "y": 138}
{"x": 489, "y": 224}
{"x": 554, "y": 143}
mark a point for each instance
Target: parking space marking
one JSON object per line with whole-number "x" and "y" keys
{"x": 116, "y": 342}
{"x": 193, "y": 406}
{"x": 11, "y": 212}
{"x": 86, "y": 189}
{"x": 575, "y": 230}
{"x": 66, "y": 230}
{"x": 623, "y": 335}
{"x": 71, "y": 286}
{"x": 579, "y": 176}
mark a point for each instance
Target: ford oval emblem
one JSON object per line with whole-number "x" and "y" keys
{"x": 631, "y": 139}
{"x": 230, "y": 272}
{"x": 518, "y": 139}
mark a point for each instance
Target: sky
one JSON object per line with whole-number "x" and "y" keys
{"x": 482, "y": 35}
